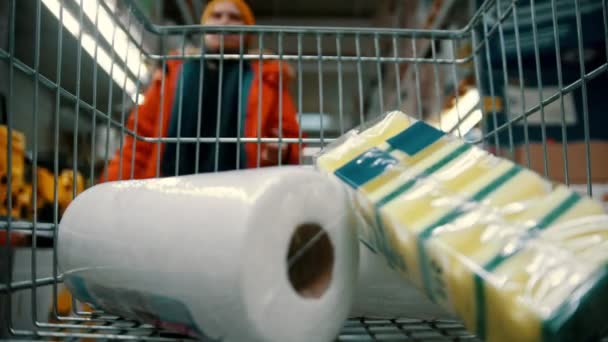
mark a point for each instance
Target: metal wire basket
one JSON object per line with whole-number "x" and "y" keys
{"x": 522, "y": 78}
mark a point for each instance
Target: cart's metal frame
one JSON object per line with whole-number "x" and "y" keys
{"x": 421, "y": 49}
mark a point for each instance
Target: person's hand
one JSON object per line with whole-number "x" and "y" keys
{"x": 270, "y": 152}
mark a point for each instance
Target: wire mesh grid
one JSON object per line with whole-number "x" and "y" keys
{"x": 96, "y": 63}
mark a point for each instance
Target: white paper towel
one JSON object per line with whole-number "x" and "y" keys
{"x": 383, "y": 293}
{"x": 207, "y": 254}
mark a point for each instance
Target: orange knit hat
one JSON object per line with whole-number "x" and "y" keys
{"x": 245, "y": 10}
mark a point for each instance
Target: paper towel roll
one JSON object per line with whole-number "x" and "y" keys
{"x": 208, "y": 254}
{"x": 383, "y": 293}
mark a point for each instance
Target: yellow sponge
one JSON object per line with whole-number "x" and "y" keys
{"x": 463, "y": 247}
{"x": 525, "y": 277}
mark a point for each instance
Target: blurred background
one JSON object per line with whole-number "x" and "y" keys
{"x": 102, "y": 55}
{"x": 335, "y": 95}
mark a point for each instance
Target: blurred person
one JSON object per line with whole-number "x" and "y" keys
{"x": 187, "y": 82}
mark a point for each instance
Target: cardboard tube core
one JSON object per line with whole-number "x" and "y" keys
{"x": 310, "y": 260}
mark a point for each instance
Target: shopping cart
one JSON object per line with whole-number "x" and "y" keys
{"x": 523, "y": 83}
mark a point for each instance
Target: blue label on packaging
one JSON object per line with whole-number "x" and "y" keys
{"x": 79, "y": 289}
{"x": 158, "y": 310}
{"x": 416, "y": 138}
{"x": 365, "y": 167}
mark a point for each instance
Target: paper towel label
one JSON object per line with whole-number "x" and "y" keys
{"x": 158, "y": 310}
{"x": 79, "y": 290}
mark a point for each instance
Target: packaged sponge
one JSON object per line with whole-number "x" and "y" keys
{"x": 461, "y": 224}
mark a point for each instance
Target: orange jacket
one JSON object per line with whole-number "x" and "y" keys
{"x": 147, "y": 121}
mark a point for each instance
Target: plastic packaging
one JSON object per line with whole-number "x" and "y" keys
{"x": 458, "y": 221}
{"x": 217, "y": 256}
{"x": 382, "y": 293}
